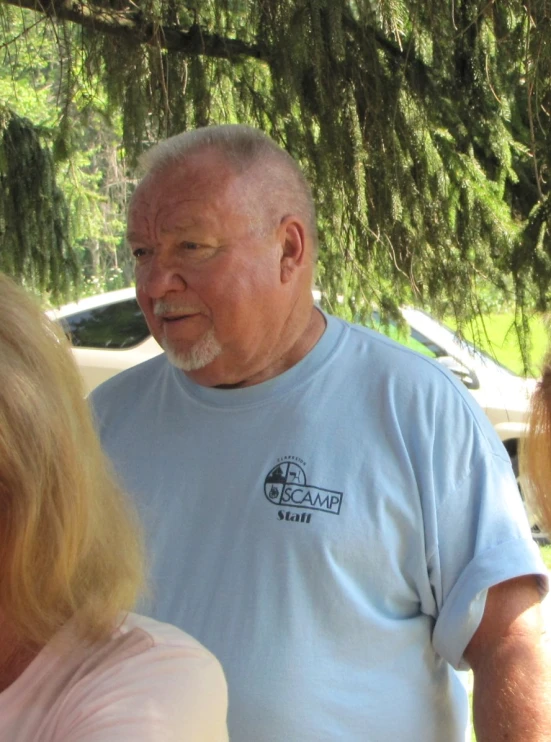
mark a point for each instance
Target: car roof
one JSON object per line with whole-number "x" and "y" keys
{"x": 92, "y": 302}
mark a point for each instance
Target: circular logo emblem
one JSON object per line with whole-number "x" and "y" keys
{"x": 283, "y": 474}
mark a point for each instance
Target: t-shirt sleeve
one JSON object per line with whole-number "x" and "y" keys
{"x": 161, "y": 695}
{"x": 483, "y": 538}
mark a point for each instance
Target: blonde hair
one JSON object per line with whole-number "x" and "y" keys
{"x": 69, "y": 543}
{"x": 536, "y": 449}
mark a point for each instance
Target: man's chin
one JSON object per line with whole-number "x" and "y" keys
{"x": 198, "y": 357}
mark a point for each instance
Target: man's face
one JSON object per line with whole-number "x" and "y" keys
{"x": 208, "y": 274}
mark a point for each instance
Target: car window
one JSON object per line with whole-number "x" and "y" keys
{"x": 409, "y": 337}
{"x": 118, "y": 325}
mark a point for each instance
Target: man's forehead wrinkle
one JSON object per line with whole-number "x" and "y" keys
{"x": 132, "y": 237}
{"x": 142, "y": 198}
{"x": 172, "y": 218}
{"x": 182, "y": 225}
{"x": 142, "y": 226}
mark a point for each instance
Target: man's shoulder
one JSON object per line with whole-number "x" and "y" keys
{"x": 396, "y": 370}
{"x": 389, "y": 357}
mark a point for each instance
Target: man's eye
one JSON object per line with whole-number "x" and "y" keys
{"x": 139, "y": 252}
{"x": 191, "y": 245}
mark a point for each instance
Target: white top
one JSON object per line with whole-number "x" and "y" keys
{"x": 149, "y": 682}
{"x": 330, "y": 534}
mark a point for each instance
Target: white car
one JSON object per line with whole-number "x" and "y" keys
{"x": 109, "y": 334}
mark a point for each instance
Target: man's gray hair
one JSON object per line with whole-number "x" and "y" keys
{"x": 280, "y": 181}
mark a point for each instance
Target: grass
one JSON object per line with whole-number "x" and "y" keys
{"x": 496, "y": 335}
{"x": 545, "y": 552}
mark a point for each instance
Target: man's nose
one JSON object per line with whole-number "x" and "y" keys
{"x": 161, "y": 275}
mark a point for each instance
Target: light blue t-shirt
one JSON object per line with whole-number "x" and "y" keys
{"x": 329, "y": 534}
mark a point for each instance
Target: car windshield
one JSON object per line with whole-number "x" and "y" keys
{"x": 112, "y": 326}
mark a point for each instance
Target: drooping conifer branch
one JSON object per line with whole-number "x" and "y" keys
{"x": 131, "y": 25}
{"x": 34, "y": 223}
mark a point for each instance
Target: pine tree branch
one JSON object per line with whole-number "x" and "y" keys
{"x": 131, "y": 25}
{"x": 134, "y": 28}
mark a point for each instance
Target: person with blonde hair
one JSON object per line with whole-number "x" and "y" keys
{"x": 74, "y": 664}
{"x": 536, "y": 451}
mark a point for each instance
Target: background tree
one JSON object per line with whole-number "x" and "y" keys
{"x": 33, "y": 213}
{"x": 422, "y": 124}
{"x": 83, "y": 138}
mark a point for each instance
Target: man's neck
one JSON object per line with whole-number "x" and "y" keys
{"x": 306, "y": 340}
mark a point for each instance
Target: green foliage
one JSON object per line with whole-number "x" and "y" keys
{"x": 496, "y": 333}
{"x": 423, "y": 126}
{"x": 84, "y": 141}
{"x": 33, "y": 214}
{"x": 545, "y": 552}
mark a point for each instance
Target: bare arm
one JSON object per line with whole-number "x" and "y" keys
{"x": 511, "y": 662}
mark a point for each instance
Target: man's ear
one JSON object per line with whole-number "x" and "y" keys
{"x": 292, "y": 237}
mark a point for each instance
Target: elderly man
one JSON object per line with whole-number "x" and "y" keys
{"x": 326, "y": 510}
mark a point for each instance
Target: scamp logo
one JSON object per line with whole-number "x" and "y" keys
{"x": 286, "y": 485}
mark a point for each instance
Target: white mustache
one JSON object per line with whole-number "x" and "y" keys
{"x": 165, "y": 307}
